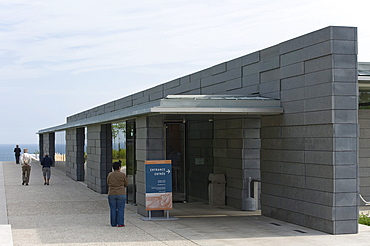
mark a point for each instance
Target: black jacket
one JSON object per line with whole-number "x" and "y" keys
{"x": 17, "y": 151}
{"x": 46, "y": 161}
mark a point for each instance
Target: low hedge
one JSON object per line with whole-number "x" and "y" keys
{"x": 364, "y": 219}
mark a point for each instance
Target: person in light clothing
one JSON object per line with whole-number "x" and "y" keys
{"x": 117, "y": 182}
{"x": 26, "y": 160}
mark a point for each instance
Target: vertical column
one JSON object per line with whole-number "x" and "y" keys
{"x": 48, "y": 144}
{"x": 99, "y": 156}
{"x": 74, "y": 168}
{"x": 228, "y": 155}
{"x": 41, "y": 146}
{"x": 364, "y": 154}
{"x": 346, "y": 137}
{"x": 149, "y": 146}
{"x": 70, "y": 153}
{"x": 251, "y": 153}
{"x": 80, "y": 154}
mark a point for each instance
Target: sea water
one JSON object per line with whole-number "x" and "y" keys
{"x": 7, "y": 150}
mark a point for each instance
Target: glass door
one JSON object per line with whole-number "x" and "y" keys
{"x": 175, "y": 151}
{"x": 131, "y": 161}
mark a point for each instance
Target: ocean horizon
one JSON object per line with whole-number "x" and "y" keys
{"x": 7, "y": 150}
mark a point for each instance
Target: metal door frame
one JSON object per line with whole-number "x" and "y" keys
{"x": 134, "y": 168}
{"x": 183, "y": 124}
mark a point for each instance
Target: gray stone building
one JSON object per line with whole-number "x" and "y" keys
{"x": 287, "y": 115}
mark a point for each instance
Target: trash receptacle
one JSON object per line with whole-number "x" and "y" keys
{"x": 216, "y": 189}
{"x": 248, "y": 203}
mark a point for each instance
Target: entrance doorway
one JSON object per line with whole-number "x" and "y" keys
{"x": 175, "y": 151}
{"x": 131, "y": 167}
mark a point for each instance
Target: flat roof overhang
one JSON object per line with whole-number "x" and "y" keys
{"x": 185, "y": 104}
{"x": 364, "y": 82}
{"x": 364, "y": 76}
{"x": 218, "y": 104}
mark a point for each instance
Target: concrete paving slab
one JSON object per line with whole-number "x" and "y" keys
{"x": 6, "y": 238}
{"x": 68, "y": 213}
{"x": 3, "y": 210}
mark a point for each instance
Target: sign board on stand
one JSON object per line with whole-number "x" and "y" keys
{"x": 158, "y": 193}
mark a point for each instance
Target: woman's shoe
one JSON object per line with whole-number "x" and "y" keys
{"x": 121, "y": 225}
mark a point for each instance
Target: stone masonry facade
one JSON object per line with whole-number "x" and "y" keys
{"x": 309, "y": 167}
{"x": 308, "y": 157}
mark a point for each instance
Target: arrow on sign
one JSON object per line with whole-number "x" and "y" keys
{"x": 168, "y": 171}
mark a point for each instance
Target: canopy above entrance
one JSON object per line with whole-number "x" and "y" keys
{"x": 218, "y": 104}
{"x": 184, "y": 104}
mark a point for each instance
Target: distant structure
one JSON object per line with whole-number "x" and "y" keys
{"x": 287, "y": 116}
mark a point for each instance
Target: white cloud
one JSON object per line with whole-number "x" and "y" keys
{"x": 87, "y": 52}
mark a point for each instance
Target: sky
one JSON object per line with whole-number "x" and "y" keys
{"x": 61, "y": 57}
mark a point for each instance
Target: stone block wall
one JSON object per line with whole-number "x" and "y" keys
{"x": 99, "y": 156}
{"x": 149, "y": 146}
{"x": 71, "y": 143}
{"x": 47, "y": 145}
{"x": 236, "y": 151}
{"x": 309, "y": 154}
{"x": 364, "y": 154}
{"x": 74, "y": 165}
{"x": 251, "y": 157}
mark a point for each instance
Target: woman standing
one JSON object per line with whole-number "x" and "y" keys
{"x": 117, "y": 182}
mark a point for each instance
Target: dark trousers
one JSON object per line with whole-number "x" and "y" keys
{"x": 17, "y": 159}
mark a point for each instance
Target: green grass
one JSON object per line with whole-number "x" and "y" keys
{"x": 364, "y": 219}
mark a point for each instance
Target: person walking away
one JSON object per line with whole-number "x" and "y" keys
{"x": 17, "y": 152}
{"x": 117, "y": 183}
{"x": 26, "y": 160}
{"x": 46, "y": 164}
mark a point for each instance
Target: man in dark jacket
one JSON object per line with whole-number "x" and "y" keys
{"x": 46, "y": 163}
{"x": 17, "y": 152}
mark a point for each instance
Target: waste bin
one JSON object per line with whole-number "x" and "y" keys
{"x": 216, "y": 189}
{"x": 248, "y": 202}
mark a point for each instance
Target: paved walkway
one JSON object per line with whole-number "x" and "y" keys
{"x": 68, "y": 213}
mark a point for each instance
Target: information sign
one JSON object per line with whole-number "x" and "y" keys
{"x": 158, "y": 181}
